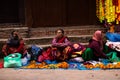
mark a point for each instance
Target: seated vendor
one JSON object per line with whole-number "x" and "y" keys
{"x": 95, "y": 48}
{"x": 14, "y": 44}
{"x": 58, "y": 50}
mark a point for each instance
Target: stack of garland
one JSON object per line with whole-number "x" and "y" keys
{"x": 108, "y": 10}
{"x": 65, "y": 65}
{"x": 44, "y": 65}
{"x": 103, "y": 66}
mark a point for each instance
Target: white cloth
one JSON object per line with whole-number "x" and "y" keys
{"x": 114, "y": 45}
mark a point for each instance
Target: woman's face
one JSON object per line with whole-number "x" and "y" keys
{"x": 59, "y": 33}
{"x": 15, "y": 35}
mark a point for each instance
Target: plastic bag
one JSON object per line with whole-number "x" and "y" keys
{"x": 115, "y": 37}
{"x": 12, "y": 60}
{"x": 77, "y": 59}
{"x": 26, "y": 59}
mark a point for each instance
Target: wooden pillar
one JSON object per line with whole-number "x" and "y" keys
{"x": 28, "y": 13}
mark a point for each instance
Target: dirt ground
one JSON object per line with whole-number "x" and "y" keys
{"x": 51, "y": 74}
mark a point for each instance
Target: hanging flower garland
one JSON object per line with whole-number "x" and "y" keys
{"x": 100, "y": 10}
{"x": 117, "y": 11}
{"x": 108, "y": 10}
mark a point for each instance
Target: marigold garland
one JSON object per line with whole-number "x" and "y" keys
{"x": 102, "y": 66}
{"x": 44, "y": 65}
{"x": 108, "y": 10}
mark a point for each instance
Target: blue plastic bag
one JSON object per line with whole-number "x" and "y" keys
{"x": 35, "y": 51}
{"x": 115, "y": 37}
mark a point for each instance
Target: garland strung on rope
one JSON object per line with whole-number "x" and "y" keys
{"x": 108, "y": 10}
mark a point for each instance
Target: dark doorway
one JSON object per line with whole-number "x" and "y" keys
{"x": 12, "y": 11}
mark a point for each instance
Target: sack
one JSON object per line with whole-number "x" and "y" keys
{"x": 12, "y": 60}
{"x": 113, "y": 57}
{"x": 34, "y": 51}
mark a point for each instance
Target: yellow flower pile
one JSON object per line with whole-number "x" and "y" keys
{"x": 102, "y": 66}
{"x": 43, "y": 65}
{"x": 108, "y": 10}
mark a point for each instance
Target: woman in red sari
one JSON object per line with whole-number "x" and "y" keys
{"x": 14, "y": 44}
{"x": 58, "y": 50}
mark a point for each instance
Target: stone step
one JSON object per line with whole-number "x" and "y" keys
{"x": 47, "y": 40}
{"x": 9, "y": 25}
{"x": 73, "y": 30}
{"x": 49, "y": 31}
{"x": 47, "y": 45}
{"x": 5, "y": 32}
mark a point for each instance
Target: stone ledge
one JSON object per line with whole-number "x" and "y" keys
{"x": 15, "y": 28}
{"x": 47, "y": 40}
{"x": 39, "y": 32}
{"x": 47, "y": 45}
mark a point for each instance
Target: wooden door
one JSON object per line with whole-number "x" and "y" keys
{"x": 81, "y": 12}
{"x": 48, "y": 12}
{"x": 41, "y": 13}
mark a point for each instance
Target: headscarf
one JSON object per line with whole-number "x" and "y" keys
{"x": 98, "y": 37}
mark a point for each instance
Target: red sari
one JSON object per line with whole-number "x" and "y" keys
{"x": 7, "y": 49}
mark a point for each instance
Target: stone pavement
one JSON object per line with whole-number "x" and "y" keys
{"x": 51, "y": 74}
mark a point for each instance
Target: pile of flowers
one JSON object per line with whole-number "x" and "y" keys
{"x": 65, "y": 65}
{"x": 103, "y": 66}
{"x": 108, "y": 10}
{"x": 44, "y": 65}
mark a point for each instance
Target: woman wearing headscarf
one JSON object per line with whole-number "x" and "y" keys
{"x": 95, "y": 48}
{"x": 14, "y": 44}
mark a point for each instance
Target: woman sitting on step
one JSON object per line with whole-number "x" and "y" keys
{"x": 59, "y": 49}
{"x": 14, "y": 44}
{"x": 96, "y": 48}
